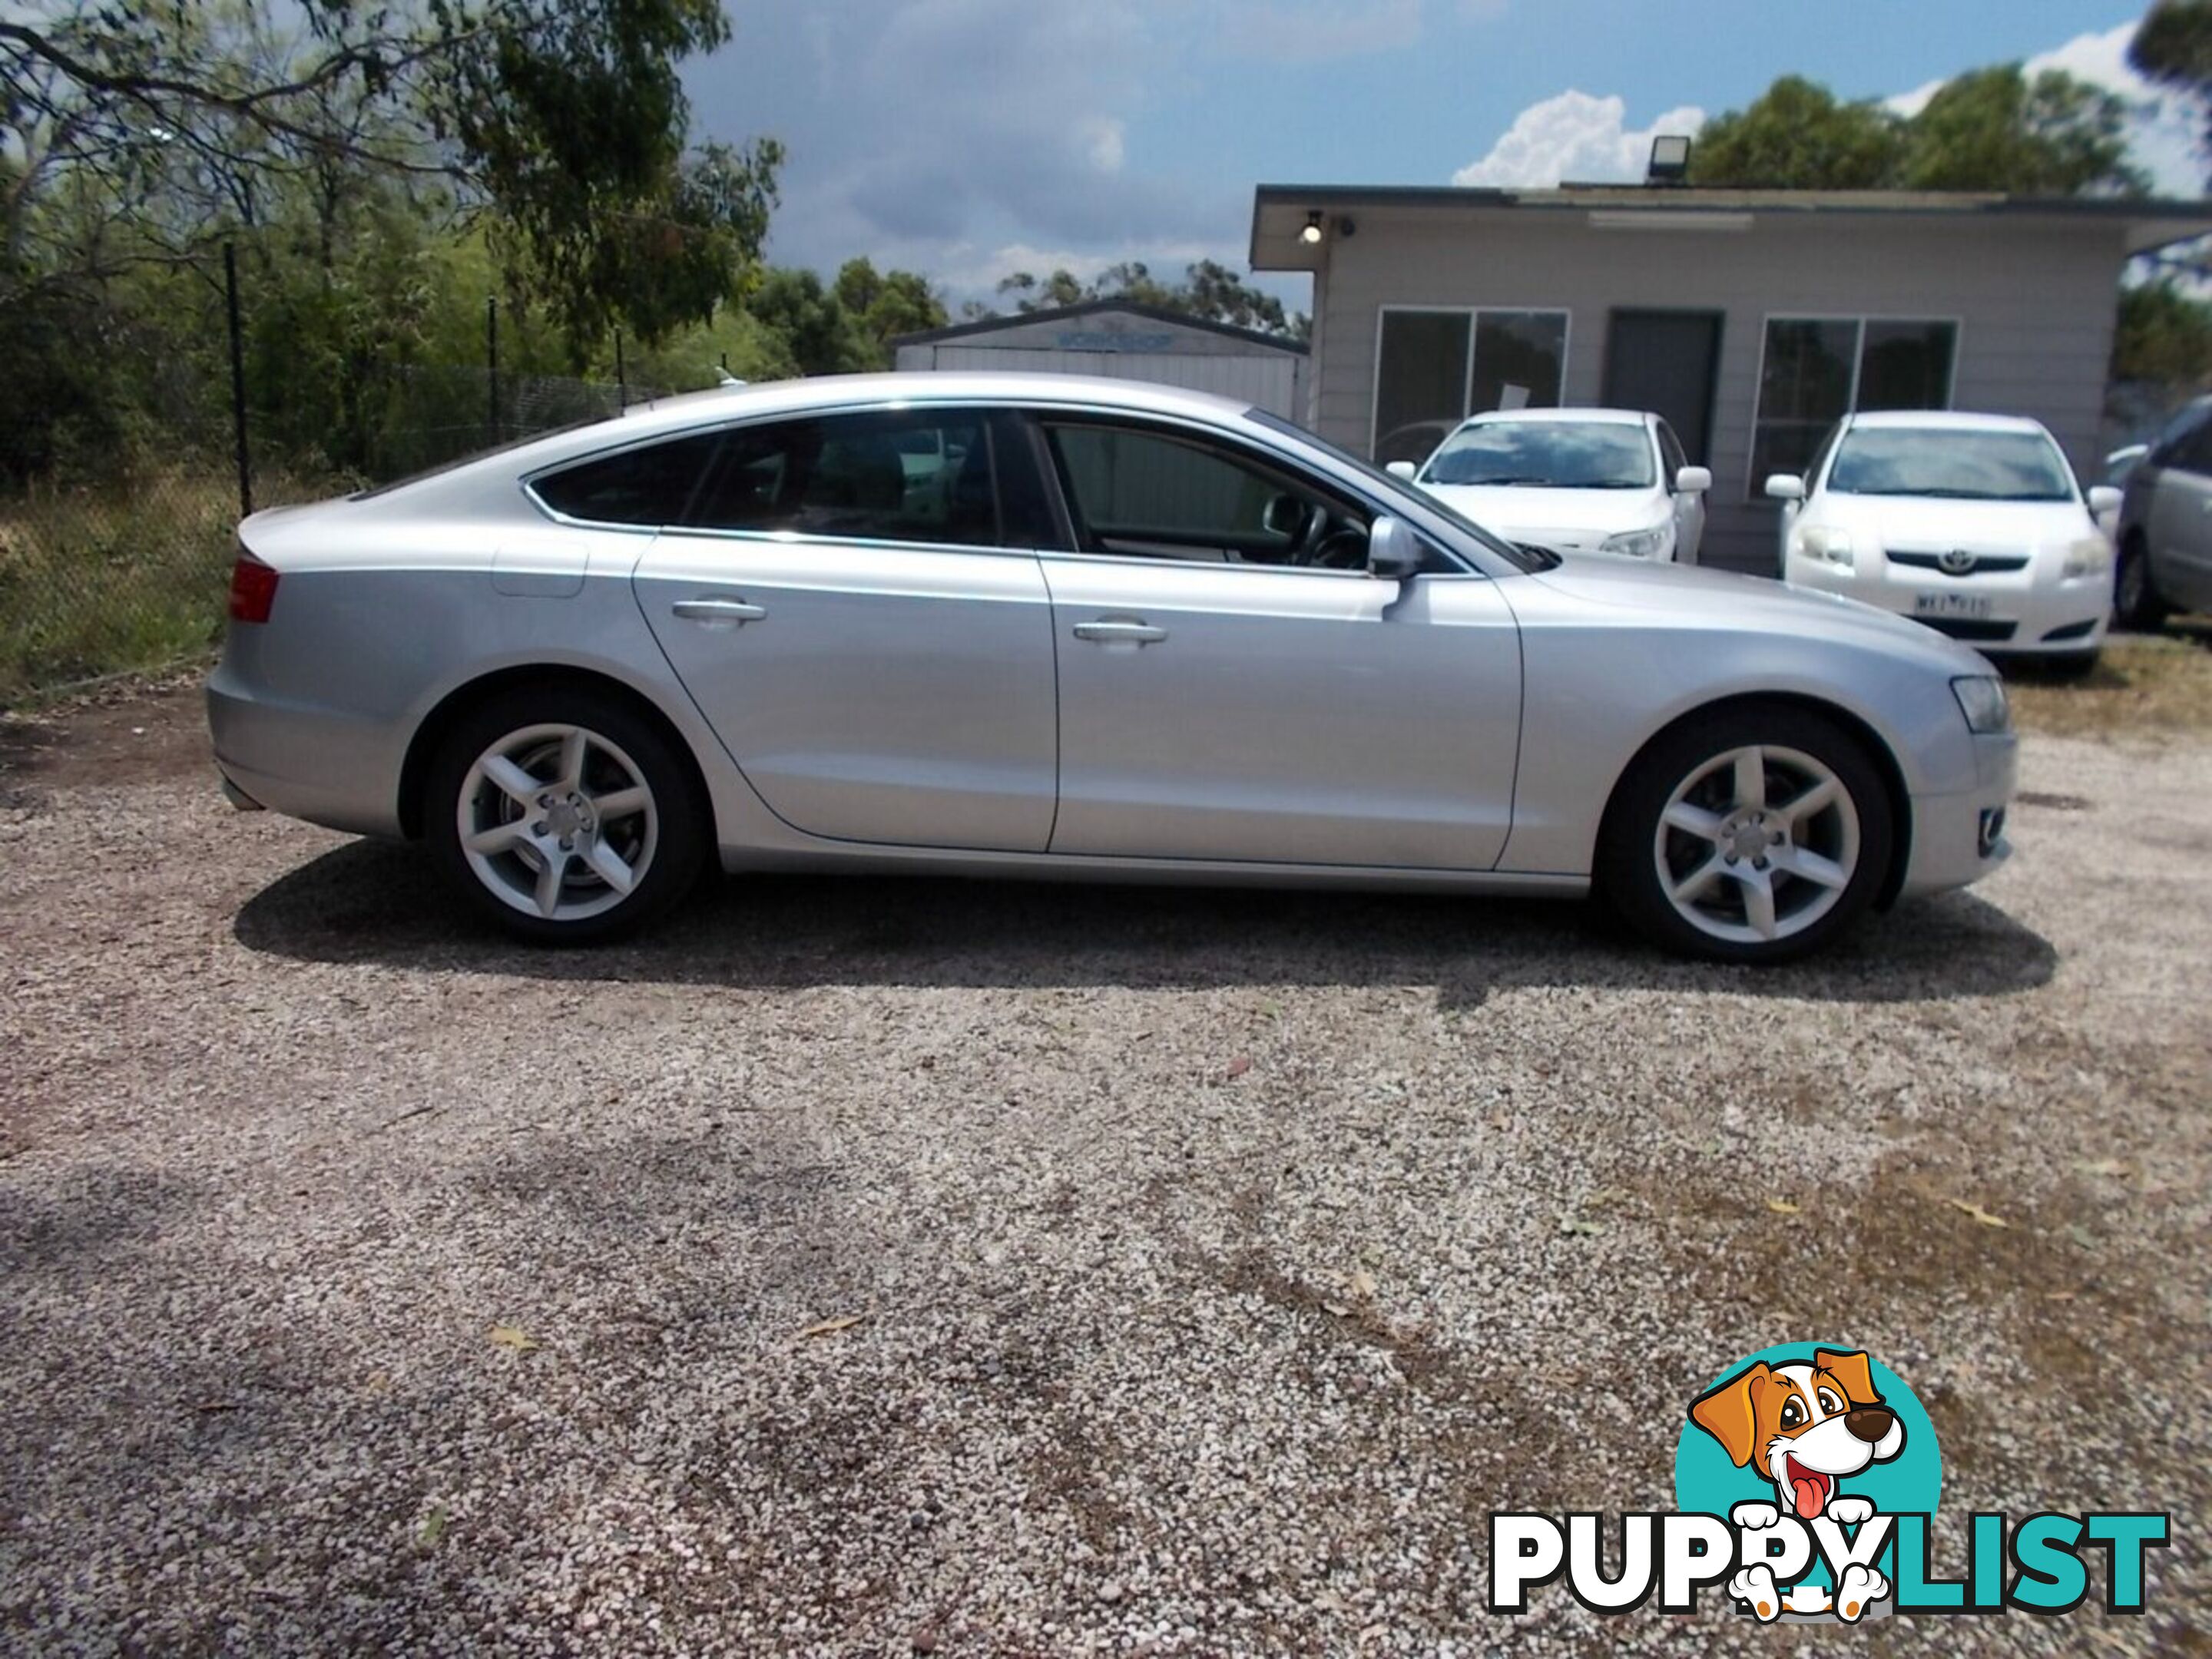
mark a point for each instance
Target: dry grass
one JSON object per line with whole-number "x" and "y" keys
{"x": 2149, "y": 686}
{"x": 125, "y": 574}
{"x": 97, "y": 580}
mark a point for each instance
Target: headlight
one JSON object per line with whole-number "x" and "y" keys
{"x": 2090, "y": 556}
{"x": 1982, "y": 701}
{"x": 1639, "y": 543}
{"x": 1828, "y": 546}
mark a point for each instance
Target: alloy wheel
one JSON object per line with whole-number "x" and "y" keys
{"x": 557, "y": 822}
{"x": 1757, "y": 844}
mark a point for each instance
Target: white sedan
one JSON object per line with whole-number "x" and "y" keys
{"x": 1972, "y": 524}
{"x": 1573, "y": 481}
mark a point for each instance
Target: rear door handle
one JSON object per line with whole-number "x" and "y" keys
{"x": 719, "y": 610}
{"x": 1120, "y": 633}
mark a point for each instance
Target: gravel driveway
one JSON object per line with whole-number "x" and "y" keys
{"x": 882, "y": 1268}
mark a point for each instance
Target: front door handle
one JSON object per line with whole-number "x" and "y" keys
{"x": 1120, "y": 633}
{"x": 719, "y": 610}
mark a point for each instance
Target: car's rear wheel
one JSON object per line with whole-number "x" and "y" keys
{"x": 563, "y": 815}
{"x": 2135, "y": 601}
{"x": 1754, "y": 833}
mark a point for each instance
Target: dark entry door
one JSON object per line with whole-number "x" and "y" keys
{"x": 1666, "y": 362}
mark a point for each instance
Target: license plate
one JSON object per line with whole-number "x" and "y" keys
{"x": 1951, "y": 604}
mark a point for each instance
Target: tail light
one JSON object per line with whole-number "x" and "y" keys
{"x": 252, "y": 589}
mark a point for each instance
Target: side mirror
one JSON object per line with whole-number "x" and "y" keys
{"x": 2104, "y": 499}
{"x": 1405, "y": 470}
{"x": 1693, "y": 480}
{"x": 2125, "y": 456}
{"x": 1785, "y": 487}
{"x": 1393, "y": 549}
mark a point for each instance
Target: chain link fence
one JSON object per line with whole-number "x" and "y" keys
{"x": 115, "y": 549}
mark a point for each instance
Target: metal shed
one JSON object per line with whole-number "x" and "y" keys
{"x": 1126, "y": 341}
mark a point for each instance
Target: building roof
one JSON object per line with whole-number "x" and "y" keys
{"x": 1101, "y": 307}
{"x": 1280, "y": 212}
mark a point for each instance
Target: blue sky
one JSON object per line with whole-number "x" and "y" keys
{"x": 966, "y": 138}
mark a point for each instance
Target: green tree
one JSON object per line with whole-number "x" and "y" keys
{"x": 2164, "y": 337}
{"x": 1991, "y": 130}
{"x": 1799, "y": 135}
{"x": 2173, "y": 47}
{"x": 820, "y": 335}
{"x": 170, "y": 124}
{"x": 1995, "y": 129}
{"x": 1209, "y": 290}
{"x": 1054, "y": 293}
{"x": 887, "y": 303}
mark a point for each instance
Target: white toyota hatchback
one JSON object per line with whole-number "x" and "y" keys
{"x": 1972, "y": 524}
{"x": 1573, "y": 481}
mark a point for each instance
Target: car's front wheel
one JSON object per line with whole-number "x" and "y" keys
{"x": 563, "y": 815}
{"x": 1754, "y": 834}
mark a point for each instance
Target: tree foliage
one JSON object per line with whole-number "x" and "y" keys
{"x": 845, "y": 327}
{"x": 1995, "y": 129}
{"x": 1209, "y": 290}
{"x": 1799, "y": 135}
{"x": 2164, "y": 338}
{"x": 143, "y": 131}
{"x": 2173, "y": 47}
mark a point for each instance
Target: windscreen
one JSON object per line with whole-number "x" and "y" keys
{"x": 1546, "y": 455}
{"x": 1974, "y": 466}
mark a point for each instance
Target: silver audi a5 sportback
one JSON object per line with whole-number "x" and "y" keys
{"x": 1035, "y": 626}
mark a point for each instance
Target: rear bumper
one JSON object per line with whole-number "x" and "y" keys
{"x": 1957, "y": 839}
{"x": 303, "y": 760}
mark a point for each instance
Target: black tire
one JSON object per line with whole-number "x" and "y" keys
{"x": 672, "y": 833}
{"x": 1630, "y": 849}
{"x": 2135, "y": 601}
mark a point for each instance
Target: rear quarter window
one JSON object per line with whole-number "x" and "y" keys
{"x": 651, "y": 485}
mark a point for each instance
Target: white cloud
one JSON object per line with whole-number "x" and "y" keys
{"x": 1574, "y": 136}
{"x": 1104, "y": 139}
{"x": 1910, "y": 104}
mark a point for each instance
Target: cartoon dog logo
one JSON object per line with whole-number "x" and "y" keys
{"x": 1806, "y": 1428}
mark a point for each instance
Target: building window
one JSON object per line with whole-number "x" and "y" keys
{"x": 1435, "y": 368}
{"x": 1818, "y": 369}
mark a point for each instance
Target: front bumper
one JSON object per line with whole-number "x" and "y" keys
{"x": 1957, "y": 839}
{"x": 2024, "y": 615}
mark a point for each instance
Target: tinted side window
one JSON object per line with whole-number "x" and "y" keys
{"x": 899, "y": 476}
{"x": 2194, "y": 453}
{"x": 1150, "y": 495}
{"x": 1670, "y": 453}
{"x": 652, "y": 485}
{"x": 2167, "y": 449}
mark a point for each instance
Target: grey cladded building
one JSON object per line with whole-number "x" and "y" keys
{"x": 1752, "y": 320}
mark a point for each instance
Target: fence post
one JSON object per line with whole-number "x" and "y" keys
{"x": 491, "y": 362}
{"x": 237, "y": 380}
{"x": 621, "y": 381}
